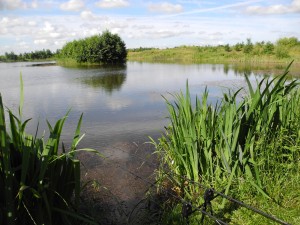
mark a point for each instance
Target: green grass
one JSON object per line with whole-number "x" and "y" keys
{"x": 256, "y": 60}
{"x": 39, "y": 181}
{"x": 209, "y": 54}
{"x": 248, "y": 146}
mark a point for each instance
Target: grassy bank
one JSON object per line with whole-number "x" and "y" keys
{"x": 210, "y": 54}
{"x": 282, "y": 51}
{"x": 247, "y": 146}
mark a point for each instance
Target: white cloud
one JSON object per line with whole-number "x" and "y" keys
{"x": 40, "y": 41}
{"x": 164, "y": 33}
{"x": 31, "y": 23}
{"x": 112, "y": 3}
{"x": 72, "y": 5}
{"x": 48, "y": 27}
{"x": 11, "y": 4}
{"x": 87, "y": 15}
{"x": 118, "y": 104}
{"x": 293, "y": 7}
{"x": 165, "y": 7}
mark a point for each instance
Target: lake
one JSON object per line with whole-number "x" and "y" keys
{"x": 121, "y": 107}
{"x": 118, "y": 103}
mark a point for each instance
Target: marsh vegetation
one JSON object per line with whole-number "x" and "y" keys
{"x": 285, "y": 49}
{"x": 247, "y": 145}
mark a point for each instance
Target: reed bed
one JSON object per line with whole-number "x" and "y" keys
{"x": 239, "y": 139}
{"x": 39, "y": 181}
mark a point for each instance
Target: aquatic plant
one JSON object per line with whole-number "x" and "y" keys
{"x": 230, "y": 140}
{"x": 39, "y": 182}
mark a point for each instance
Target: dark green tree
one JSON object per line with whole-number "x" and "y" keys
{"x": 268, "y": 48}
{"x": 106, "y": 48}
{"x": 248, "y": 46}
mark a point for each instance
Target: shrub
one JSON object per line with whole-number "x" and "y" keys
{"x": 282, "y": 52}
{"x": 107, "y": 48}
{"x": 288, "y": 42}
{"x": 248, "y": 46}
{"x": 268, "y": 48}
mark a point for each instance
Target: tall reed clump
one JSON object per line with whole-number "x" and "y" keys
{"x": 39, "y": 183}
{"x": 236, "y": 138}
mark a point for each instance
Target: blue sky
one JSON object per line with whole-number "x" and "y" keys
{"x": 27, "y": 25}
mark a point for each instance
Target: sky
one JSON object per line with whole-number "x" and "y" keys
{"x": 29, "y": 25}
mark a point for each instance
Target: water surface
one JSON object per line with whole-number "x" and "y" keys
{"x": 119, "y": 103}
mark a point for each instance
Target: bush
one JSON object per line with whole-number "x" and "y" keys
{"x": 239, "y": 47}
{"x": 268, "y": 48}
{"x": 248, "y": 47}
{"x": 227, "y": 48}
{"x": 107, "y": 48}
{"x": 282, "y": 52}
{"x": 288, "y": 42}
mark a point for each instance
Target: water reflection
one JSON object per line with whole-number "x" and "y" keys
{"x": 109, "y": 79}
{"x": 108, "y": 82}
{"x": 119, "y": 103}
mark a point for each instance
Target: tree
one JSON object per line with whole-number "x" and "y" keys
{"x": 11, "y": 56}
{"x": 287, "y": 42}
{"x": 227, "y": 48}
{"x": 248, "y": 47}
{"x": 106, "y": 48}
{"x": 268, "y": 48}
{"x": 239, "y": 46}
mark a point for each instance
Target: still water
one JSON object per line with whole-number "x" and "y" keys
{"x": 118, "y": 104}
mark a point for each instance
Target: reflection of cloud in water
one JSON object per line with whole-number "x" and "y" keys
{"x": 108, "y": 82}
{"x": 118, "y": 104}
{"x": 155, "y": 97}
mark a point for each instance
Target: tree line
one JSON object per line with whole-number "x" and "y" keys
{"x": 280, "y": 48}
{"x": 28, "y": 56}
{"x": 106, "y": 48}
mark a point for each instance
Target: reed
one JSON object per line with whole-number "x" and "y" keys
{"x": 39, "y": 182}
{"x": 231, "y": 140}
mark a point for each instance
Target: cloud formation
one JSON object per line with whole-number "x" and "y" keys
{"x": 165, "y": 7}
{"x": 72, "y": 5}
{"x": 112, "y": 3}
{"x": 174, "y": 24}
{"x": 293, "y": 7}
{"x": 11, "y": 4}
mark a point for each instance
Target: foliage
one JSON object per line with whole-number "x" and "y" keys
{"x": 238, "y": 140}
{"x": 106, "y": 48}
{"x": 288, "y": 42}
{"x": 239, "y": 46}
{"x": 282, "y": 52}
{"x": 28, "y": 56}
{"x": 260, "y": 52}
{"x": 248, "y": 46}
{"x": 39, "y": 183}
{"x": 227, "y": 48}
{"x": 268, "y": 48}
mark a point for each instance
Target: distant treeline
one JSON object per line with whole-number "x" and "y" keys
{"x": 106, "y": 48}
{"x": 283, "y": 49}
{"x": 28, "y": 56}
{"x": 282, "y": 45}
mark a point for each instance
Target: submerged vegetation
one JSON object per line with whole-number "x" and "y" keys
{"x": 248, "y": 146}
{"x": 106, "y": 48}
{"x": 283, "y": 50}
{"x": 39, "y": 182}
